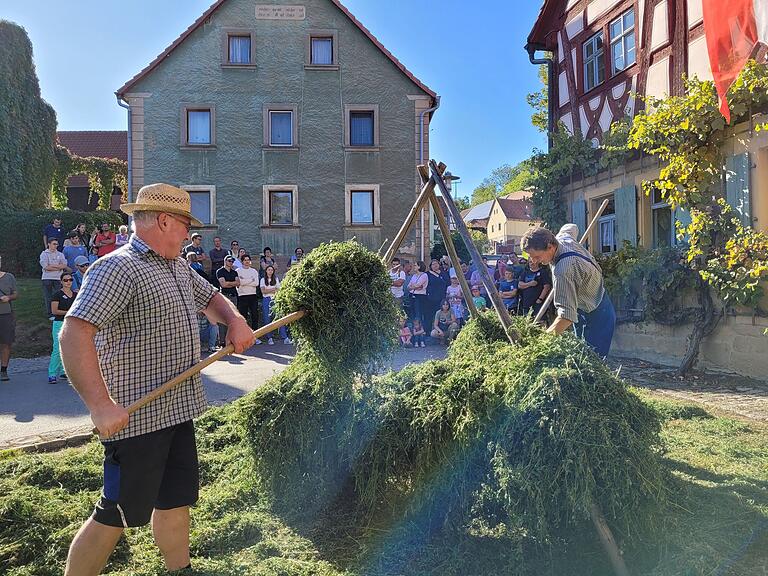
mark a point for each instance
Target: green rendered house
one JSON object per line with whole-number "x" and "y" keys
{"x": 289, "y": 124}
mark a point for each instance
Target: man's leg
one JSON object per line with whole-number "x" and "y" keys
{"x": 171, "y": 531}
{"x": 91, "y": 548}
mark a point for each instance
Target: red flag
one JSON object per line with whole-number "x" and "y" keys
{"x": 732, "y": 33}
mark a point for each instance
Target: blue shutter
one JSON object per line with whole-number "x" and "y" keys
{"x": 579, "y": 210}
{"x": 737, "y": 186}
{"x": 625, "y": 200}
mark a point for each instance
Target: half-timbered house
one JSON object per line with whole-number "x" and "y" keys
{"x": 605, "y": 55}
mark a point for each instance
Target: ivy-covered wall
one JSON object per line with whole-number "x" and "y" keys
{"x": 27, "y": 126}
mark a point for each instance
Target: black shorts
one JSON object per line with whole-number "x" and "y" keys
{"x": 7, "y": 328}
{"x": 156, "y": 470}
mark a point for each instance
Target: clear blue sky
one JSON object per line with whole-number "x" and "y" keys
{"x": 471, "y": 53}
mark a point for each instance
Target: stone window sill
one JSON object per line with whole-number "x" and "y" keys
{"x": 239, "y": 66}
{"x": 281, "y": 148}
{"x": 198, "y": 147}
{"x": 281, "y": 226}
{"x": 362, "y": 148}
{"x": 327, "y": 67}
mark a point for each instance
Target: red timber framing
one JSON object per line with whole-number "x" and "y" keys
{"x": 551, "y": 26}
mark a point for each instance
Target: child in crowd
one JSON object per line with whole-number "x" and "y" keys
{"x": 405, "y": 334}
{"x": 418, "y": 334}
{"x": 455, "y": 298}
{"x": 508, "y": 290}
{"x": 478, "y": 299}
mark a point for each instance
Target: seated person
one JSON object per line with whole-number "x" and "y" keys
{"x": 445, "y": 327}
{"x": 418, "y": 334}
{"x": 405, "y": 334}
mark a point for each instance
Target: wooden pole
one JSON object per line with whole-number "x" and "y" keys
{"x": 427, "y": 189}
{"x": 189, "y": 372}
{"x": 449, "y": 246}
{"x": 584, "y": 237}
{"x": 608, "y": 541}
{"x": 490, "y": 287}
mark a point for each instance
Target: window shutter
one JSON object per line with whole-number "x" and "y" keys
{"x": 737, "y": 186}
{"x": 579, "y": 209}
{"x": 625, "y": 200}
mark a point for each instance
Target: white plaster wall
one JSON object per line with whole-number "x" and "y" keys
{"x": 606, "y": 117}
{"x": 660, "y": 32}
{"x": 698, "y": 59}
{"x": 571, "y": 4}
{"x": 584, "y": 121}
{"x": 560, "y": 47}
{"x": 575, "y": 25}
{"x": 594, "y": 103}
{"x": 597, "y": 8}
{"x": 658, "y": 79}
{"x": 567, "y": 120}
{"x": 695, "y": 13}
{"x": 562, "y": 89}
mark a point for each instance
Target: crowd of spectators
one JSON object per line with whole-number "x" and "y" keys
{"x": 434, "y": 304}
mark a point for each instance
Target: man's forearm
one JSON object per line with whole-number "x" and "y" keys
{"x": 560, "y": 325}
{"x": 220, "y": 310}
{"x": 78, "y": 353}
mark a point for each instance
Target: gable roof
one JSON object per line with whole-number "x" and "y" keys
{"x": 552, "y": 11}
{"x": 216, "y": 5}
{"x": 479, "y": 212}
{"x": 516, "y": 209}
{"x": 99, "y": 143}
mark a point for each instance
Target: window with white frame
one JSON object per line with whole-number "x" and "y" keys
{"x": 280, "y": 205}
{"x": 662, "y": 221}
{"x": 623, "y": 49}
{"x": 203, "y": 200}
{"x": 239, "y": 49}
{"x": 362, "y": 205}
{"x": 199, "y": 127}
{"x": 280, "y": 128}
{"x": 594, "y": 61}
{"x": 607, "y": 228}
{"x": 321, "y": 51}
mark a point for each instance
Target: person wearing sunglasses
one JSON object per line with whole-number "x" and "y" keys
{"x": 60, "y": 303}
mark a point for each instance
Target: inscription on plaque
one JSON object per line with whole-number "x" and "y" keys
{"x": 275, "y": 12}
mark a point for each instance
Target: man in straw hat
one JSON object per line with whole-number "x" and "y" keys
{"x": 132, "y": 327}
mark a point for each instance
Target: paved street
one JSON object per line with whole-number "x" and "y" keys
{"x": 32, "y": 411}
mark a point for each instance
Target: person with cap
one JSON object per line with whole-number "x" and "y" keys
{"x": 581, "y": 300}
{"x": 81, "y": 265}
{"x": 132, "y": 327}
{"x": 196, "y": 246}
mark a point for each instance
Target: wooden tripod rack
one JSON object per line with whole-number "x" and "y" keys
{"x": 431, "y": 178}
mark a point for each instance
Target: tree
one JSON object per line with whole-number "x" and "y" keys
{"x": 27, "y": 126}
{"x": 539, "y": 101}
{"x": 503, "y": 180}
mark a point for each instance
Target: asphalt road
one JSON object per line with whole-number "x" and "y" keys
{"x": 33, "y": 411}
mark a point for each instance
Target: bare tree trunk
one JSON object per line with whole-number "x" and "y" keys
{"x": 703, "y": 325}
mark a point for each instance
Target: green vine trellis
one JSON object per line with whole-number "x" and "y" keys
{"x": 103, "y": 175}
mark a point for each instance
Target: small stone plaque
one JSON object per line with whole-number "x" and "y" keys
{"x": 278, "y": 12}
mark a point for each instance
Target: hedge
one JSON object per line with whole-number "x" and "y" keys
{"x": 21, "y": 234}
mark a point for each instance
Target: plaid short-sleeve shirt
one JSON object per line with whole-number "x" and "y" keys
{"x": 145, "y": 308}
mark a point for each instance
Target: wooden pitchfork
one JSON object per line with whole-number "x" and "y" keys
{"x": 189, "y": 372}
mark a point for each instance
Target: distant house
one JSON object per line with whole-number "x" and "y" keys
{"x": 100, "y": 144}
{"x": 476, "y": 217}
{"x": 289, "y": 124}
{"x": 508, "y": 220}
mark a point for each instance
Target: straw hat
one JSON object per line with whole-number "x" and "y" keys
{"x": 162, "y": 198}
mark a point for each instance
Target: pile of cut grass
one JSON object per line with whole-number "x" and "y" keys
{"x": 716, "y": 521}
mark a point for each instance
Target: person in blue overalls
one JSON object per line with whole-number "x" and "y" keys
{"x": 580, "y": 297}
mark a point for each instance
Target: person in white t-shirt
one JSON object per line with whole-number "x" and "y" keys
{"x": 397, "y": 276}
{"x": 270, "y": 284}
{"x": 248, "y": 291}
{"x": 418, "y": 288}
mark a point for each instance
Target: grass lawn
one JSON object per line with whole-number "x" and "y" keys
{"x": 716, "y": 524}
{"x": 33, "y": 329}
